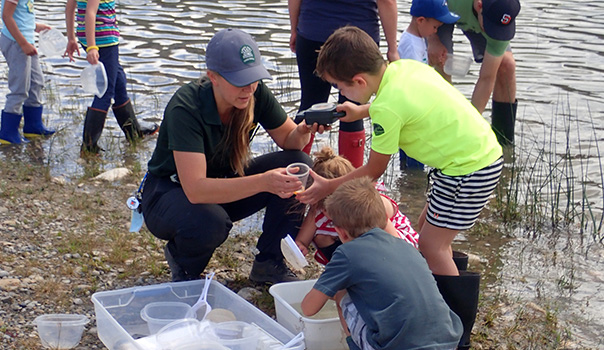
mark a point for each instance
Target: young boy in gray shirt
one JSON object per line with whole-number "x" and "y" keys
{"x": 385, "y": 292}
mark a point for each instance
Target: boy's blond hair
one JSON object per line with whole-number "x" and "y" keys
{"x": 347, "y": 52}
{"x": 357, "y": 207}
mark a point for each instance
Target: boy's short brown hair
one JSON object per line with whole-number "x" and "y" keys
{"x": 356, "y": 206}
{"x": 347, "y": 52}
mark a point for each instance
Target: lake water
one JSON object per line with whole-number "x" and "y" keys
{"x": 560, "y": 66}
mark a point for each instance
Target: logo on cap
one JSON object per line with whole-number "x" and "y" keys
{"x": 506, "y": 19}
{"x": 247, "y": 54}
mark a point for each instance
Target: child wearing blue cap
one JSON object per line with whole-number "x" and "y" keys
{"x": 426, "y": 17}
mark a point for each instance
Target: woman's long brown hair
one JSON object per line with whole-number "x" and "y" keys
{"x": 238, "y": 136}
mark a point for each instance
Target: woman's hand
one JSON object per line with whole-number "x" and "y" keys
{"x": 276, "y": 181}
{"x": 320, "y": 189}
{"x": 304, "y": 128}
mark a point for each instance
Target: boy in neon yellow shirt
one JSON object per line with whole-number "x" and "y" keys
{"x": 416, "y": 110}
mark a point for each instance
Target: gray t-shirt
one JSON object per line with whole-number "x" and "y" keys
{"x": 394, "y": 292}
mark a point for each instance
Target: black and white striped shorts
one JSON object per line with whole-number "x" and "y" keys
{"x": 454, "y": 202}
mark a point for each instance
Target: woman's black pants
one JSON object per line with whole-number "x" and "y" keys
{"x": 194, "y": 231}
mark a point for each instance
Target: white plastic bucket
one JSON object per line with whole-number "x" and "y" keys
{"x": 319, "y": 334}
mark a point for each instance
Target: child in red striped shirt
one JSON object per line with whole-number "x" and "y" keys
{"x": 318, "y": 229}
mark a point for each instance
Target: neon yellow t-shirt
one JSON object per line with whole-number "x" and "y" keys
{"x": 416, "y": 110}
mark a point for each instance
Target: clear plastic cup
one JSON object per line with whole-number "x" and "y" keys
{"x": 60, "y": 331}
{"x": 235, "y": 335}
{"x": 52, "y": 43}
{"x": 457, "y": 65}
{"x": 94, "y": 79}
{"x": 186, "y": 334}
{"x": 161, "y": 313}
{"x": 301, "y": 171}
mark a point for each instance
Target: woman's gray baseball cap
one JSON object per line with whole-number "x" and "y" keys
{"x": 234, "y": 55}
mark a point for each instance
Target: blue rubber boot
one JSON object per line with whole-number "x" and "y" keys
{"x": 9, "y": 129}
{"x": 32, "y": 122}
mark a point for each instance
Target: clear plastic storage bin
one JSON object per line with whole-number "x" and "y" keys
{"x": 120, "y": 326}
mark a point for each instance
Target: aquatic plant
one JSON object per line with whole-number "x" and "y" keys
{"x": 547, "y": 186}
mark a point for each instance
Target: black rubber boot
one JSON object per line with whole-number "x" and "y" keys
{"x": 461, "y": 294}
{"x": 93, "y": 128}
{"x": 461, "y": 260}
{"x": 126, "y": 119}
{"x": 503, "y": 119}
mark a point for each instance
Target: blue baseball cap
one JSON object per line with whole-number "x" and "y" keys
{"x": 436, "y": 9}
{"x": 234, "y": 55}
{"x": 499, "y": 18}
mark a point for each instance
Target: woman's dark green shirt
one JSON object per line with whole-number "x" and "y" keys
{"x": 191, "y": 124}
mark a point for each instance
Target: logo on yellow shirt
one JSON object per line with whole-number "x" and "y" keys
{"x": 378, "y": 129}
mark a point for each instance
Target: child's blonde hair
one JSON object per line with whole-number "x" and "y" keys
{"x": 330, "y": 165}
{"x": 356, "y": 206}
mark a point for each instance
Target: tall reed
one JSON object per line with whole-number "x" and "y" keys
{"x": 546, "y": 186}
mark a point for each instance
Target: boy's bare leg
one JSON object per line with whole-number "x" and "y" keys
{"x": 337, "y": 298}
{"x": 505, "y": 84}
{"x": 422, "y": 217}
{"x": 435, "y": 245}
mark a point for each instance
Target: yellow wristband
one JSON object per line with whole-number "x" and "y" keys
{"x": 94, "y": 47}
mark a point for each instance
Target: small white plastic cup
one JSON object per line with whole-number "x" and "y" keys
{"x": 301, "y": 173}
{"x": 52, "y": 43}
{"x": 94, "y": 79}
{"x": 457, "y": 65}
